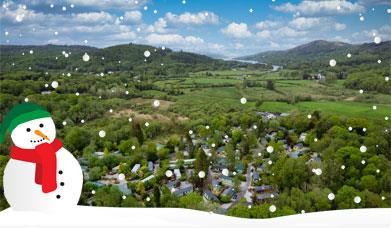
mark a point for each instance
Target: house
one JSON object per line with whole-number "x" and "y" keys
{"x": 99, "y": 154}
{"x": 256, "y": 176}
{"x": 150, "y": 177}
{"x": 184, "y": 189}
{"x": 227, "y": 181}
{"x": 265, "y": 197}
{"x": 208, "y": 195}
{"x": 220, "y": 163}
{"x": 314, "y": 158}
{"x": 263, "y": 188}
{"x": 298, "y": 146}
{"x": 207, "y": 151}
{"x": 216, "y": 185}
{"x": 271, "y": 135}
{"x": 220, "y": 150}
{"x": 159, "y": 146}
{"x": 115, "y": 169}
{"x": 177, "y": 173}
{"x": 230, "y": 192}
{"x": 172, "y": 184}
{"x": 123, "y": 187}
{"x": 302, "y": 137}
{"x": 135, "y": 168}
{"x": 150, "y": 166}
{"x": 239, "y": 167}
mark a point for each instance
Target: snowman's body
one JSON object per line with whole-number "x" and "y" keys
{"x": 20, "y": 189}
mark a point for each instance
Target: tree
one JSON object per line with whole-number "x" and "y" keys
{"x": 369, "y": 182}
{"x": 108, "y": 196}
{"x": 345, "y": 197}
{"x": 138, "y": 132}
{"x": 156, "y": 195}
{"x": 76, "y": 139}
{"x": 95, "y": 173}
{"x": 270, "y": 84}
{"x": 130, "y": 201}
{"x": 192, "y": 200}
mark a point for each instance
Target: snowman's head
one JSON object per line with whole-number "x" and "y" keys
{"x": 29, "y": 125}
{"x": 30, "y": 134}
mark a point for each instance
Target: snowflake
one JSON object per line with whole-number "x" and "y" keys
{"x": 331, "y": 196}
{"x": 357, "y": 199}
{"x": 225, "y": 172}
{"x": 102, "y": 133}
{"x": 168, "y": 173}
{"x": 121, "y": 177}
{"x": 86, "y": 57}
{"x": 269, "y": 149}
{"x": 243, "y": 100}
{"x": 272, "y": 208}
{"x": 377, "y": 40}
{"x": 156, "y": 103}
{"x": 333, "y": 62}
{"x": 201, "y": 174}
{"x": 147, "y": 53}
{"x": 54, "y": 84}
{"x": 363, "y": 149}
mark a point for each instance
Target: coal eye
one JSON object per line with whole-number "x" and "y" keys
{"x": 28, "y": 129}
{"x": 40, "y": 125}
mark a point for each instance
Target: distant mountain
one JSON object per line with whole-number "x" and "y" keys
{"x": 322, "y": 51}
{"x": 126, "y": 57}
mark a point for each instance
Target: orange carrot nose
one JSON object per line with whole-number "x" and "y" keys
{"x": 39, "y": 133}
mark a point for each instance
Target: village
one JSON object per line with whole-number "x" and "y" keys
{"x": 224, "y": 186}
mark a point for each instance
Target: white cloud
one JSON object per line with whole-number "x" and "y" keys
{"x": 134, "y": 16}
{"x": 237, "y": 30}
{"x": 264, "y": 34}
{"x": 172, "y": 39}
{"x": 305, "y": 23}
{"x": 339, "y": 26}
{"x": 289, "y": 32}
{"x": 97, "y": 4}
{"x": 93, "y": 18}
{"x": 160, "y": 26}
{"x": 103, "y": 27}
{"x": 187, "y": 18}
{"x": 375, "y": 2}
{"x": 267, "y": 24}
{"x": 323, "y": 7}
{"x": 320, "y": 23}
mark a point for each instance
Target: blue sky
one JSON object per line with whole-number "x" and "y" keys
{"x": 217, "y": 27}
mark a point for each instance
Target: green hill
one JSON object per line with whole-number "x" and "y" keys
{"x": 126, "y": 57}
{"x": 319, "y": 52}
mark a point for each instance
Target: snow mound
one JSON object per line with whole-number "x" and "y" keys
{"x": 82, "y": 216}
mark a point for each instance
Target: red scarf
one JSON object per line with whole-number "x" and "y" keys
{"x": 44, "y": 157}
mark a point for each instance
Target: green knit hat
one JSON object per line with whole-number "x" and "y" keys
{"x": 19, "y": 114}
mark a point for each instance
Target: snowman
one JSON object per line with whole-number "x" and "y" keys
{"x": 41, "y": 174}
